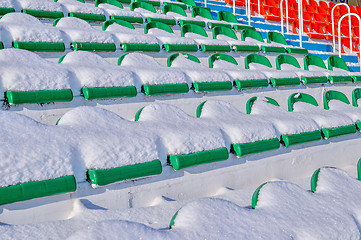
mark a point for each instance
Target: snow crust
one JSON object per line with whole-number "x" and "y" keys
{"x": 197, "y": 72}
{"x": 92, "y": 70}
{"x": 115, "y": 11}
{"x": 272, "y": 73}
{"x": 78, "y": 7}
{"x": 284, "y": 121}
{"x": 7, "y": 4}
{"x": 126, "y": 35}
{"x": 152, "y": 72}
{"x": 105, "y": 140}
{"x": 179, "y": 132}
{"x": 353, "y": 112}
{"x": 25, "y": 71}
{"x": 301, "y": 73}
{"x": 42, "y": 5}
{"x": 328, "y": 72}
{"x": 32, "y": 151}
{"x": 26, "y": 28}
{"x": 239, "y": 127}
{"x": 78, "y": 30}
{"x": 236, "y": 72}
{"x": 169, "y": 38}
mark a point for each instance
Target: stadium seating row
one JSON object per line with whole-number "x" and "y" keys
{"x": 79, "y": 72}
{"x": 114, "y": 149}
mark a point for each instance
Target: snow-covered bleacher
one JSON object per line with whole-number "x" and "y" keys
{"x": 136, "y": 93}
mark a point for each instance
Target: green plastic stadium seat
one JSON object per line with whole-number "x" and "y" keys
{"x": 153, "y": 3}
{"x": 333, "y": 95}
{"x": 170, "y": 47}
{"x": 205, "y": 12}
{"x": 111, "y": 2}
{"x": 249, "y": 33}
{"x": 40, "y": 96}
{"x": 314, "y": 179}
{"x": 37, "y": 189}
{"x": 275, "y": 81}
{"x": 356, "y": 95}
{"x": 339, "y": 63}
{"x": 189, "y": 3}
{"x": 326, "y": 132}
{"x": 149, "y": 7}
{"x": 125, "y": 16}
{"x": 229, "y": 17}
{"x": 279, "y": 38}
{"x": 256, "y": 194}
{"x": 131, "y": 46}
{"x": 43, "y": 14}
{"x": 288, "y": 59}
{"x": 103, "y": 177}
{"x": 4, "y": 11}
{"x": 318, "y": 62}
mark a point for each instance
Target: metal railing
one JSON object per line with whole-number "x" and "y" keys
{"x": 339, "y": 32}
{"x": 300, "y": 19}
{"x": 333, "y": 26}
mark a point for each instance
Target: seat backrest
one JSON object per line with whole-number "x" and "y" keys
{"x": 143, "y": 5}
{"x": 158, "y": 25}
{"x": 251, "y": 34}
{"x": 289, "y": 59}
{"x": 111, "y": 2}
{"x": 220, "y": 30}
{"x": 356, "y": 95}
{"x": 174, "y": 8}
{"x": 256, "y": 58}
{"x": 107, "y": 23}
{"x": 252, "y": 100}
{"x": 300, "y": 97}
{"x": 174, "y": 56}
{"x": 333, "y": 95}
{"x": 313, "y": 60}
{"x": 276, "y": 37}
{"x": 220, "y": 56}
{"x": 192, "y": 28}
{"x": 334, "y": 61}
{"x": 226, "y": 16}
{"x": 202, "y": 12}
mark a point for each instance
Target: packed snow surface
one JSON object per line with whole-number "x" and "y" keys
{"x": 353, "y": 112}
{"x": 26, "y": 71}
{"x": 285, "y": 122}
{"x": 26, "y": 28}
{"x": 41, "y": 5}
{"x": 179, "y": 132}
{"x": 169, "y": 38}
{"x": 152, "y": 72}
{"x": 301, "y": 73}
{"x": 126, "y": 35}
{"x": 115, "y": 11}
{"x": 7, "y": 4}
{"x": 198, "y": 72}
{"x": 91, "y": 70}
{"x": 272, "y": 73}
{"x": 239, "y": 127}
{"x": 32, "y": 151}
{"x": 78, "y": 7}
{"x": 236, "y": 72}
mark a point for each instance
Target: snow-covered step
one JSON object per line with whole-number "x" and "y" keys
{"x": 267, "y": 26}
{"x": 322, "y": 47}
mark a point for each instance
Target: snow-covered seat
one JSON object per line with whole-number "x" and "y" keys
{"x": 203, "y": 78}
{"x": 6, "y": 6}
{"x": 338, "y": 101}
{"x": 78, "y": 8}
{"x": 242, "y": 78}
{"x": 247, "y": 134}
{"x": 230, "y": 18}
{"x": 180, "y": 15}
{"x": 332, "y": 123}
{"x": 227, "y": 34}
{"x": 290, "y": 63}
{"x": 205, "y": 43}
{"x": 27, "y": 32}
{"x": 150, "y": 14}
{"x": 28, "y": 78}
{"x": 278, "y": 38}
{"x": 115, "y": 10}
{"x": 204, "y": 14}
{"x": 254, "y": 36}
{"x": 337, "y": 64}
{"x": 276, "y": 77}
{"x": 29, "y": 172}
{"x": 294, "y": 128}
{"x": 80, "y": 35}
{"x": 170, "y": 41}
{"x": 98, "y": 78}
{"x": 188, "y": 141}
{"x": 128, "y": 38}
{"x": 315, "y": 63}
{"x": 154, "y": 3}
{"x": 113, "y": 149}
{"x": 41, "y": 8}
{"x": 155, "y": 78}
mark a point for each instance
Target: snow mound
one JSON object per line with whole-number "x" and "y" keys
{"x": 75, "y": 6}
{"x": 94, "y": 71}
{"x": 179, "y": 132}
{"x": 32, "y": 151}
{"x": 25, "y": 71}
{"x": 105, "y": 140}
{"x": 240, "y": 127}
{"x": 26, "y": 28}
{"x": 126, "y": 35}
{"x": 151, "y": 72}
{"x": 40, "y": 5}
